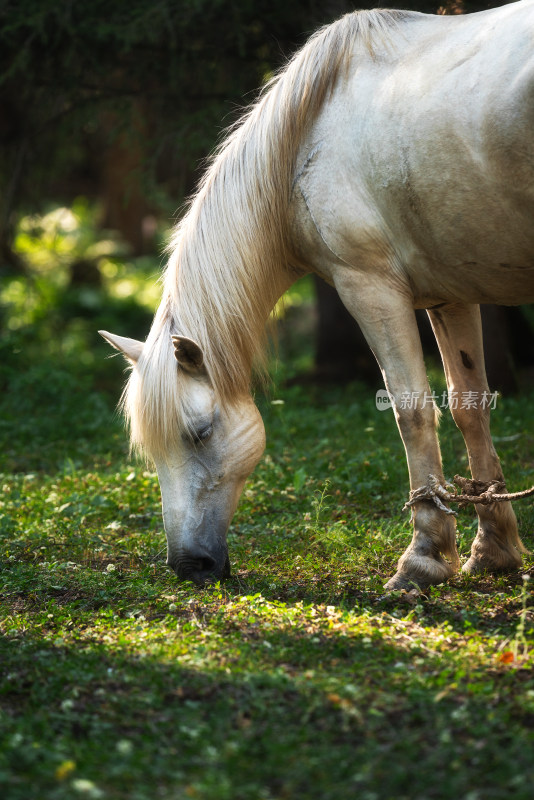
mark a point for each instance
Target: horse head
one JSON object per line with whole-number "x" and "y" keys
{"x": 203, "y": 465}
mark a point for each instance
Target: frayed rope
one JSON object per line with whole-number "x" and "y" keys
{"x": 477, "y": 492}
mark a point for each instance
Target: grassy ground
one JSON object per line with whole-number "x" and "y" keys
{"x": 296, "y": 678}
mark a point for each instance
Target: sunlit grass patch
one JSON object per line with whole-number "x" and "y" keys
{"x": 296, "y": 678}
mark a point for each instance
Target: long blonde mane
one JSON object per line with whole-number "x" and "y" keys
{"x": 231, "y": 251}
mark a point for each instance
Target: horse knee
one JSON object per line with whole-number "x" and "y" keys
{"x": 471, "y": 420}
{"x": 416, "y": 423}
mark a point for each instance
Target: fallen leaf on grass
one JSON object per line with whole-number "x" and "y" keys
{"x": 410, "y": 597}
{"x": 64, "y": 770}
{"x": 507, "y": 657}
{"x": 334, "y": 698}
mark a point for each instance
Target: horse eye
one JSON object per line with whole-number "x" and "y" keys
{"x": 203, "y": 434}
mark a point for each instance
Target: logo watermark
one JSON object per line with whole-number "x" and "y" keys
{"x": 451, "y": 400}
{"x": 383, "y": 400}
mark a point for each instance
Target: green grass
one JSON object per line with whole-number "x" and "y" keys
{"x": 297, "y": 677}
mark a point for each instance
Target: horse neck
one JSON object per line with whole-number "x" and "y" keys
{"x": 223, "y": 280}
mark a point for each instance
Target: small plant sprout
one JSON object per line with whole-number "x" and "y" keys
{"x": 520, "y": 639}
{"x": 330, "y": 535}
{"x": 319, "y": 505}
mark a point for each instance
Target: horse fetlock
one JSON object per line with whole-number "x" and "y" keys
{"x": 497, "y": 546}
{"x": 498, "y": 522}
{"x": 416, "y": 569}
{"x": 434, "y": 535}
{"x": 490, "y": 553}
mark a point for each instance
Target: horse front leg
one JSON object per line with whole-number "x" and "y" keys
{"x": 458, "y": 331}
{"x": 387, "y": 319}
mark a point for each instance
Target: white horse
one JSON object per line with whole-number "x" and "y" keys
{"x": 394, "y": 156}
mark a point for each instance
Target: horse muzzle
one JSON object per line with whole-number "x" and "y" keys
{"x": 201, "y": 567}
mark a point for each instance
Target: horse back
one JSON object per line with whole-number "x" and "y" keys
{"x": 424, "y": 160}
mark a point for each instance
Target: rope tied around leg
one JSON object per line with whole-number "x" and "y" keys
{"x": 472, "y": 491}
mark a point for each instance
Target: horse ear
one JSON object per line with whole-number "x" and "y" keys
{"x": 130, "y": 348}
{"x": 188, "y": 354}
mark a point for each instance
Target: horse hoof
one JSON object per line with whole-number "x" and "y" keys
{"x": 403, "y": 581}
{"x": 478, "y": 564}
{"x": 419, "y": 572}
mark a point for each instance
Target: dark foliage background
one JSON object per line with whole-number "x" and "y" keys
{"x": 109, "y": 109}
{"x": 121, "y": 100}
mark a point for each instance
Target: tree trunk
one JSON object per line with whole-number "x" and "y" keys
{"x": 342, "y": 354}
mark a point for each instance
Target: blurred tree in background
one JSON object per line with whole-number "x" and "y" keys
{"x": 107, "y": 110}
{"x": 121, "y": 100}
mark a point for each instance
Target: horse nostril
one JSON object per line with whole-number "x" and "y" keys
{"x": 204, "y": 571}
{"x": 190, "y": 563}
{"x": 206, "y": 564}
{"x": 201, "y": 569}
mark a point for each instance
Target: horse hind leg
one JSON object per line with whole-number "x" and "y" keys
{"x": 497, "y": 546}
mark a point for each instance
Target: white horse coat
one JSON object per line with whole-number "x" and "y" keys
{"x": 395, "y": 157}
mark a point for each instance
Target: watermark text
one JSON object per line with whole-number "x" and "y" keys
{"x": 443, "y": 400}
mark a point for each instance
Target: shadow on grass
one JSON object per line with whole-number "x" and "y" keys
{"x": 291, "y": 715}
{"x": 466, "y": 604}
